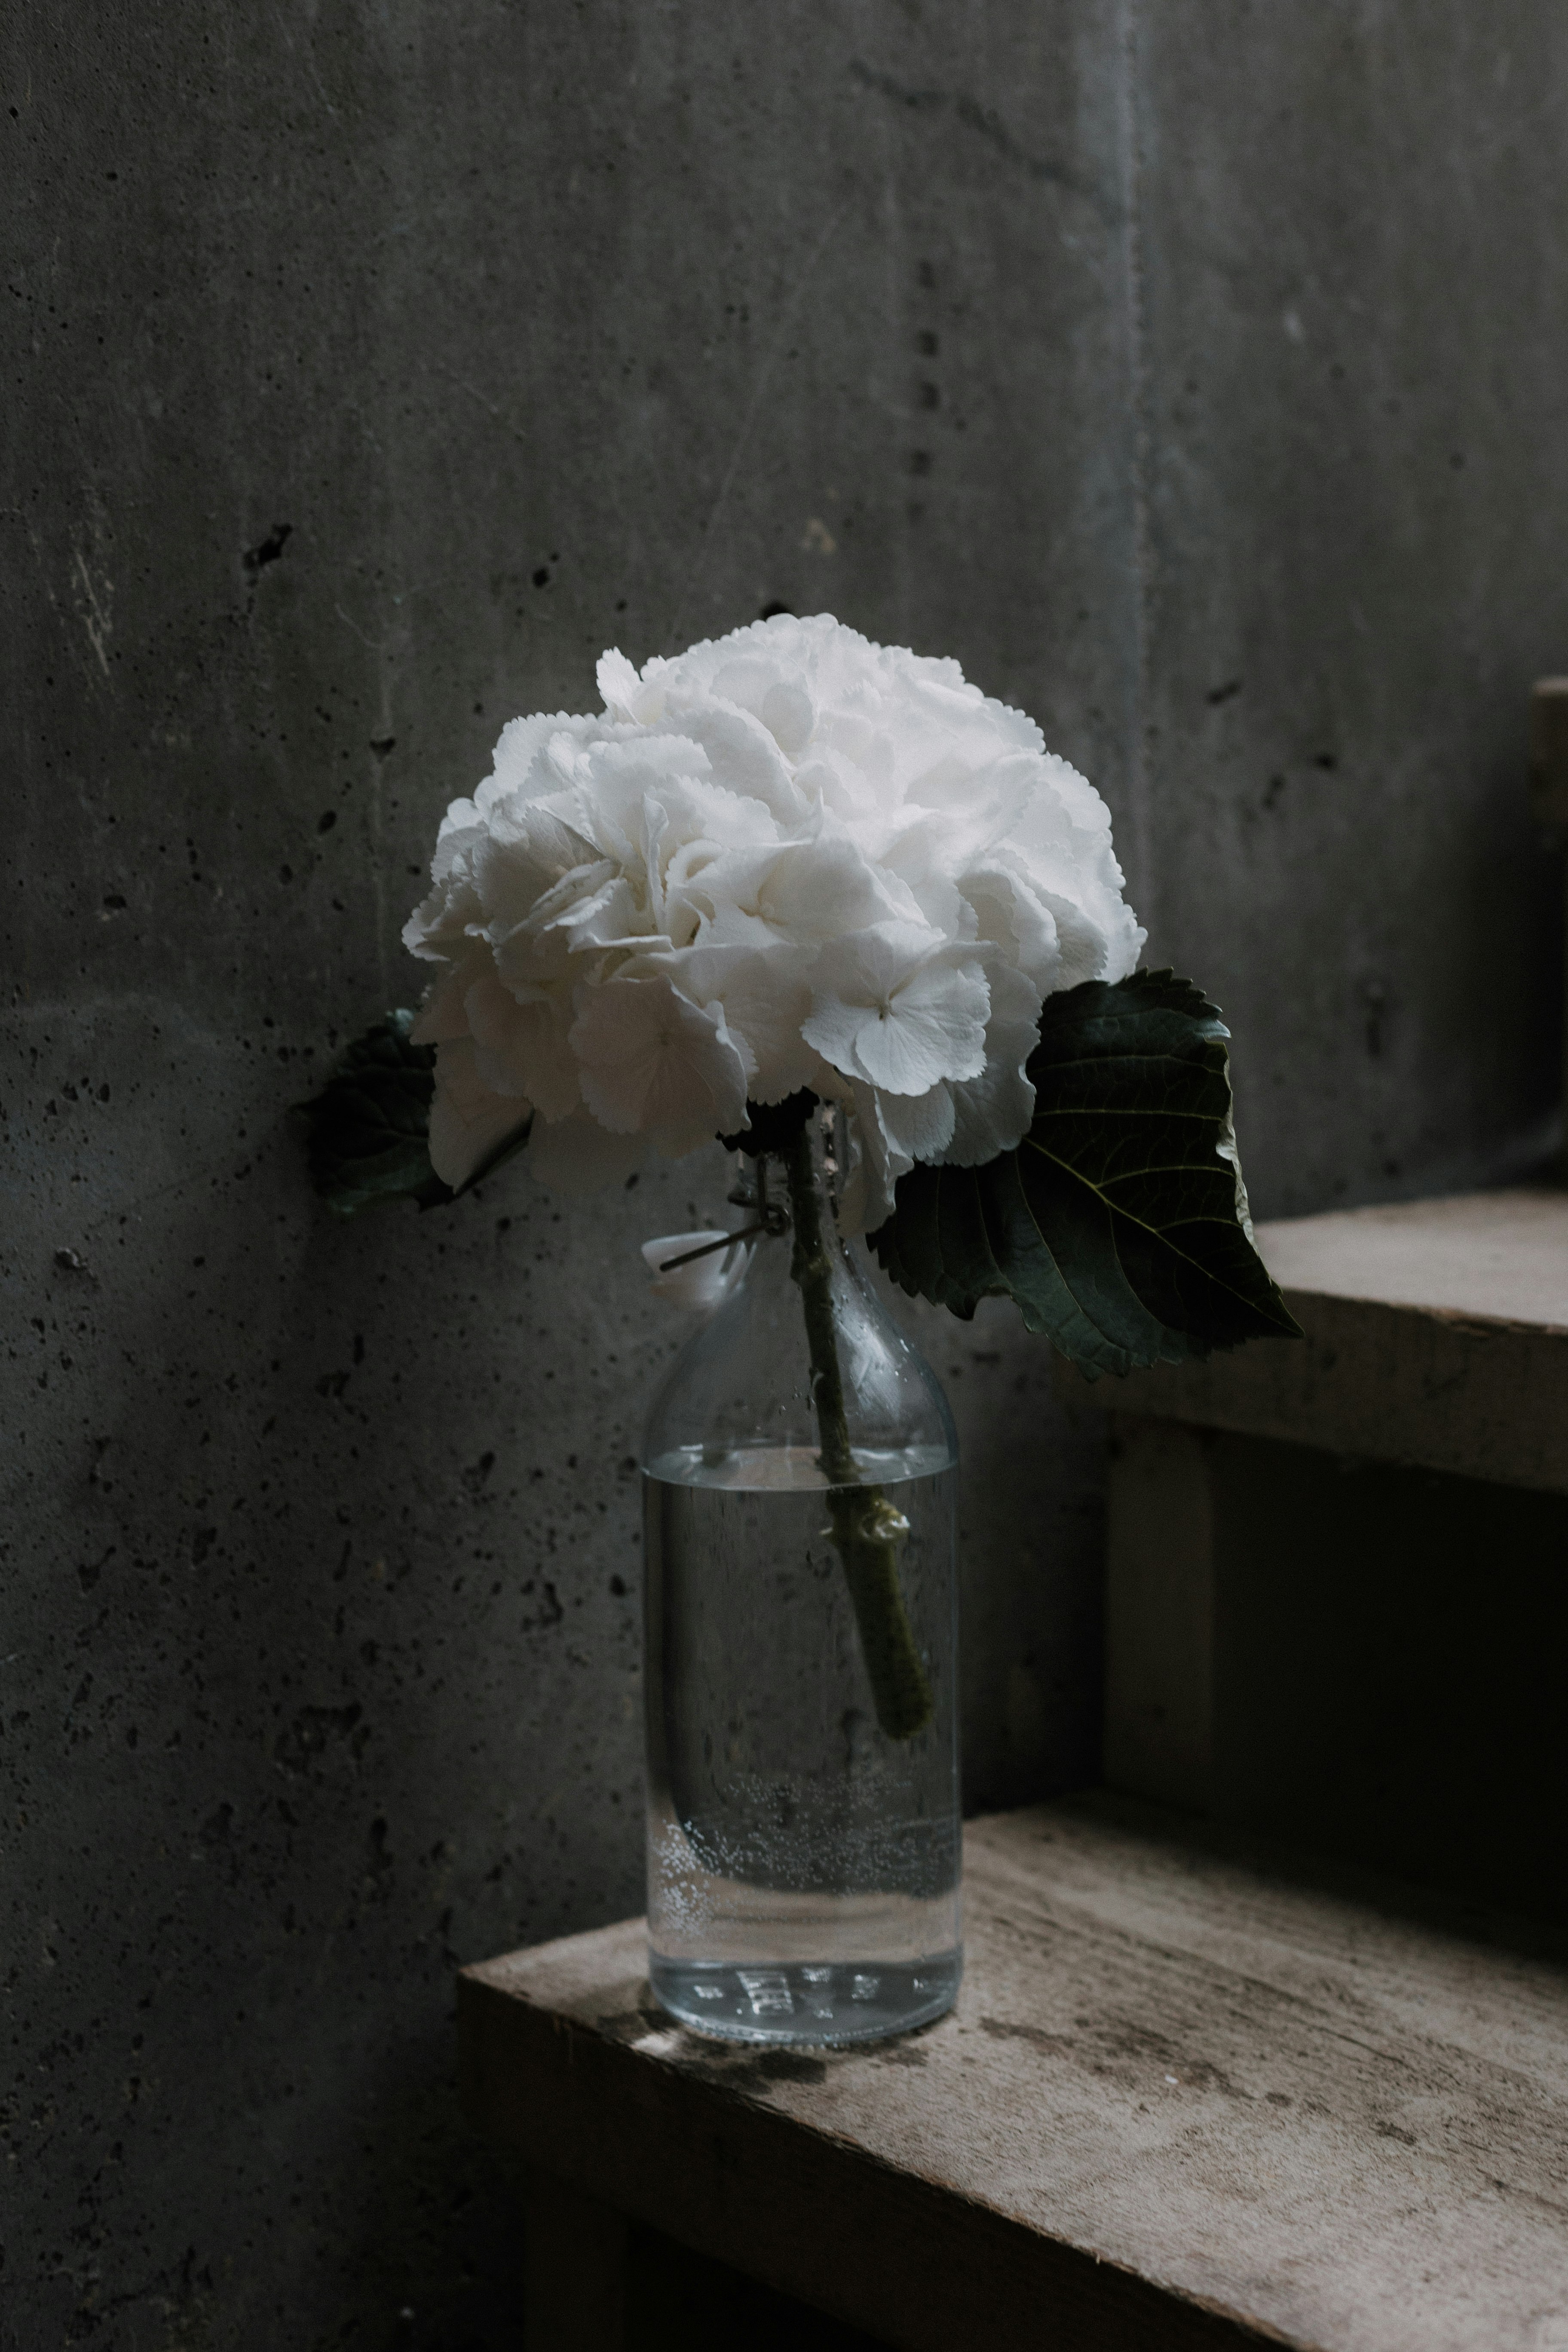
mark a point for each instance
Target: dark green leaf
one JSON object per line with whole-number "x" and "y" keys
{"x": 370, "y": 1123}
{"x": 1119, "y": 1225}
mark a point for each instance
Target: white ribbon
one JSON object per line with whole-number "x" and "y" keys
{"x": 707, "y": 1281}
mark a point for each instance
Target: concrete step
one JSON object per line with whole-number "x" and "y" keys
{"x": 1437, "y": 1335}
{"x": 1193, "y": 2095}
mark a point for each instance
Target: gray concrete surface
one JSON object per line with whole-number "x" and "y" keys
{"x": 368, "y": 369}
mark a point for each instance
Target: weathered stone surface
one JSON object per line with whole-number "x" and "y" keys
{"x": 1191, "y": 2096}
{"x": 369, "y": 369}
{"x": 1434, "y": 1333}
{"x": 376, "y": 369}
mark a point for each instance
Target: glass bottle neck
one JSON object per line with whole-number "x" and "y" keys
{"x": 798, "y": 1186}
{"x": 801, "y": 1334}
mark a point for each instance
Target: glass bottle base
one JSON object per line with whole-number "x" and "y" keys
{"x": 803, "y": 2005}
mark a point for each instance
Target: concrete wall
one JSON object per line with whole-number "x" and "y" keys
{"x": 1193, "y": 373}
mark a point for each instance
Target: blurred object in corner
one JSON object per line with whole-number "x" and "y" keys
{"x": 1548, "y": 751}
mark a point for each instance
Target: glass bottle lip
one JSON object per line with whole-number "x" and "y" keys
{"x": 760, "y": 1184}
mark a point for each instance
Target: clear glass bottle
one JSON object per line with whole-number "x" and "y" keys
{"x": 799, "y": 1474}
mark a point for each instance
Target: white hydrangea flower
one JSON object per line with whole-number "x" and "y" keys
{"x": 786, "y": 859}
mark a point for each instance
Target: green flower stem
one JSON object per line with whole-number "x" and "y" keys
{"x": 864, "y": 1528}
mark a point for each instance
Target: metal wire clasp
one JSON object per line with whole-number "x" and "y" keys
{"x": 772, "y": 1218}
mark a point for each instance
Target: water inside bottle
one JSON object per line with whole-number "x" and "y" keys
{"x": 803, "y": 1868}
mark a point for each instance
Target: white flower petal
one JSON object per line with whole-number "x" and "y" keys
{"x": 441, "y": 923}
{"x": 875, "y": 1163}
{"x": 766, "y": 996}
{"x": 467, "y": 1119}
{"x": 895, "y": 1007}
{"x": 793, "y": 893}
{"x": 524, "y": 853}
{"x": 1010, "y": 914}
{"x": 785, "y": 857}
{"x": 443, "y": 1014}
{"x": 919, "y": 1126}
{"x": 743, "y": 752}
{"x": 653, "y": 1061}
{"x": 618, "y": 682}
{"x": 992, "y": 1112}
{"x": 523, "y": 1048}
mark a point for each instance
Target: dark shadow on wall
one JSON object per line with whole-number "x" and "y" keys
{"x": 438, "y": 2266}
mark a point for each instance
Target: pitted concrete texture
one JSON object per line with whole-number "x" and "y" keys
{"x": 1192, "y": 375}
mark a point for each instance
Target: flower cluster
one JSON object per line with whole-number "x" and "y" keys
{"x": 786, "y": 859}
